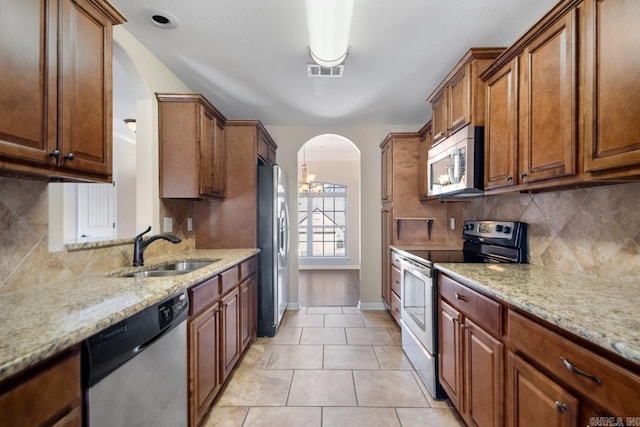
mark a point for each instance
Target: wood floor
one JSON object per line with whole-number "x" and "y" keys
{"x": 321, "y": 288}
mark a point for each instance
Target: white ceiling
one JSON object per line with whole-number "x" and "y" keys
{"x": 248, "y": 57}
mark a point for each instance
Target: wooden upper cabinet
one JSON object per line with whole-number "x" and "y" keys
{"x": 423, "y": 153}
{"x": 387, "y": 171}
{"x": 459, "y": 99}
{"x": 612, "y": 87}
{"x": 192, "y": 147}
{"x": 55, "y": 88}
{"x": 548, "y": 119}
{"x": 500, "y": 145}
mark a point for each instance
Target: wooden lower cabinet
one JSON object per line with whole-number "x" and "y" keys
{"x": 536, "y": 400}
{"x": 49, "y": 395}
{"x": 230, "y": 339}
{"x": 483, "y": 376}
{"x": 471, "y": 368}
{"x": 204, "y": 366}
{"x": 222, "y": 324}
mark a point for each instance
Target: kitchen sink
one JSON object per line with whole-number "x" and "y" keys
{"x": 186, "y": 265}
{"x": 155, "y": 273}
{"x": 171, "y": 269}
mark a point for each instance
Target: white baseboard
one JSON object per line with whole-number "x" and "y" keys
{"x": 371, "y": 305}
{"x": 293, "y": 306}
{"x": 328, "y": 267}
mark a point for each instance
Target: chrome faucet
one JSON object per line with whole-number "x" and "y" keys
{"x": 140, "y": 245}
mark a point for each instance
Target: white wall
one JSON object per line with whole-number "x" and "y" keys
{"x": 344, "y": 173}
{"x": 154, "y": 77}
{"x": 367, "y": 138}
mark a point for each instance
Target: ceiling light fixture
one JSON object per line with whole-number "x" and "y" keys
{"x": 131, "y": 124}
{"x": 162, "y": 18}
{"x": 329, "y": 24}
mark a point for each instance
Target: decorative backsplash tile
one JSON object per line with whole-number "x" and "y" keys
{"x": 25, "y": 260}
{"x": 592, "y": 231}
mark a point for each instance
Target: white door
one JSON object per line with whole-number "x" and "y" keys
{"x": 96, "y": 212}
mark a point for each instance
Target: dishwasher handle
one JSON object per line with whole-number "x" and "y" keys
{"x": 151, "y": 340}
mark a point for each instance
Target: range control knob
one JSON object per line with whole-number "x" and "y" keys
{"x": 506, "y": 230}
{"x": 499, "y": 228}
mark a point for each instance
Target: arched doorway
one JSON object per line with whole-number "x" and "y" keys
{"x": 328, "y": 221}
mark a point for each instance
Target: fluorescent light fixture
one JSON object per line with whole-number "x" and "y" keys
{"x": 329, "y": 24}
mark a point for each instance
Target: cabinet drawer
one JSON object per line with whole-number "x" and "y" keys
{"x": 395, "y": 306}
{"x": 484, "y": 311}
{"x": 45, "y": 397}
{"x": 395, "y": 259}
{"x": 396, "y": 276}
{"x": 618, "y": 390}
{"x": 248, "y": 267}
{"x": 203, "y": 295}
{"x": 229, "y": 279}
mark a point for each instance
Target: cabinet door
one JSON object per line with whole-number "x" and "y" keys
{"x": 387, "y": 240}
{"x": 500, "y": 149}
{"x": 253, "y": 308}
{"x": 535, "y": 400}
{"x": 439, "y": 116}
{"x": 450, "y": 353}
{"x": 484, "y": 376}
{"x": 230, "y": 331}
{"x": 548, "y": 127}
{"x": 28, "y": 80}
{"x": 245, "y": 305}
{"x": 612, "y": 88}
{"x": 85, "y": 130}
{"x": 459, "y": 101}
{"x": 207, "y": 152}
{"x": 387, "y": 172}
{"x": 204, "y": 369}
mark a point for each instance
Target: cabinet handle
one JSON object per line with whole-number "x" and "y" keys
{"x": 441, "y": 133}
{"x": 454, "y": 319}
{"x": 523, "y": 175}
{"x": 509, "y": 178}
{"x": 397, "y": 310}
{"x": 70, "y": 156}
{"x": 580, "y": 372}
{"x": 55, "y": 153}
{"x": 397, "y": 283}
{"x": 462, "y": 297}
{"x": 463, "y": 327}
{"x": 561, "y": 407}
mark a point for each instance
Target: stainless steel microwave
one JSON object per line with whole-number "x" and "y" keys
{"x": 455, "y": 167}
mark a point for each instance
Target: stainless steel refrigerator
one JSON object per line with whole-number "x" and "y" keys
{"x": 273, "y": 241}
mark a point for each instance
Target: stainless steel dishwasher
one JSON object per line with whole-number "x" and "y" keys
{"x": 135, "y": 371}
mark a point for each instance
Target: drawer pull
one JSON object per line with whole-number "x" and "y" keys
{"x": 462, "y": 297}
{"x": 397, "y": 282}
{"x": 561, "y": 407}
{"x": 580, "y": 372}
{"x": 397, "y": 310}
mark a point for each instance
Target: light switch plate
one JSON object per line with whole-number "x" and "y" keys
{"x": 189, "y": 224}
{"x": 167, "y": 224}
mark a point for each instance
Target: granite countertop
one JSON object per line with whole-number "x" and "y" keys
{"x": 43, "y": 320}
{"x": 602, "y": 312}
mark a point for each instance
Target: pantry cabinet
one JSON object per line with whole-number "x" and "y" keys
{"x": 56, "y": 88}
{"x": 192, "y": 147}
{"x": 459, "y": 100}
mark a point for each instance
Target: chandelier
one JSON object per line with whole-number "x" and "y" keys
{"x": 306, "y": 183}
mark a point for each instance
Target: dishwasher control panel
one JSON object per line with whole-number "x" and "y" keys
{"x": 171, "y": 309}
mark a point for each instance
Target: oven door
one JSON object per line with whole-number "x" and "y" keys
{"x": 417, "y": 302}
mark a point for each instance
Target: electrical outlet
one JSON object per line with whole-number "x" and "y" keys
{"x": 189, "y": 224}
{"x": 452, "y": 223}
{"x": 167, "y": 224}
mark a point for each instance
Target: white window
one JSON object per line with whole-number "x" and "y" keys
{"x": 322, "y": 221}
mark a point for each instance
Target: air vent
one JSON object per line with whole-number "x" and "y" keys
{"x": 314, "y": 70}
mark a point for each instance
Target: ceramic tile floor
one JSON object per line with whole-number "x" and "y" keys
{"x": 329, "y": 367}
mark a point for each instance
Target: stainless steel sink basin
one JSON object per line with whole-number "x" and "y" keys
{"x": 156, "y": 273}
{"x": 171, "y": 269}
{"x": 185, "y": 265}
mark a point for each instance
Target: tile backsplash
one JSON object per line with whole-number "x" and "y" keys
{"x": 592, "y": 231}
{"x": 25, "y": 260}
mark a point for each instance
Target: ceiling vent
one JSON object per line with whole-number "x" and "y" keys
{"x": 314, "y": 70}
